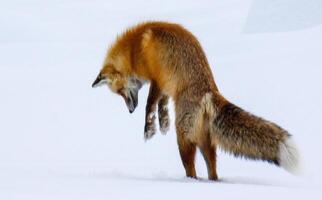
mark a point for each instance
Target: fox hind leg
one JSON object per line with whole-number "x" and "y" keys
{"x": 185, "y": 128}
{"x": 209, "y": 153}
{"x": 187, "y": 152}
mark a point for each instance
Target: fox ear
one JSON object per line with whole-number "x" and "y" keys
{"x": 99, "y": 80}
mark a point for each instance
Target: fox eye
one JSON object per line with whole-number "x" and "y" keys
{"x": 121, "y": 92}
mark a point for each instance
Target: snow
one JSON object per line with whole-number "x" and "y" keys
{"x": 274, "y": 15}
{"x": 61, "y": 139}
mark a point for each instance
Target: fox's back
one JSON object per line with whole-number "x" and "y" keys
{"x": 182, "y": 56}
{"x": 173, "y": 56}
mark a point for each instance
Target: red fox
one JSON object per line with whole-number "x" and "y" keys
{"x": 172, "y": 60}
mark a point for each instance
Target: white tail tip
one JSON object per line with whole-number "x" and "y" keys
{"x": 289, "y": 156}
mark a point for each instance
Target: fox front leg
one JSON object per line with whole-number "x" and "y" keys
{"x": 150, "y": 109}
{"x": 163, "y": 114}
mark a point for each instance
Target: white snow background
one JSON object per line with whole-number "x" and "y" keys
{"x": 61, "y": 139}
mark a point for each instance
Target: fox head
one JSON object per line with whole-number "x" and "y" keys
{"x": 124, "y": 85}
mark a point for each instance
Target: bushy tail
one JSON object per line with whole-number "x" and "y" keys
{"x": 249, "y": 136}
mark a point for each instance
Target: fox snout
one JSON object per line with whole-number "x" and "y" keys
{"x": 131, "y": 100}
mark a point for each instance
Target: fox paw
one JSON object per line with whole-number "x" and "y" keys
{"x": 164, "y": 121}
{"x": 149, "y": 128}
{"x": 164, "y": 124}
